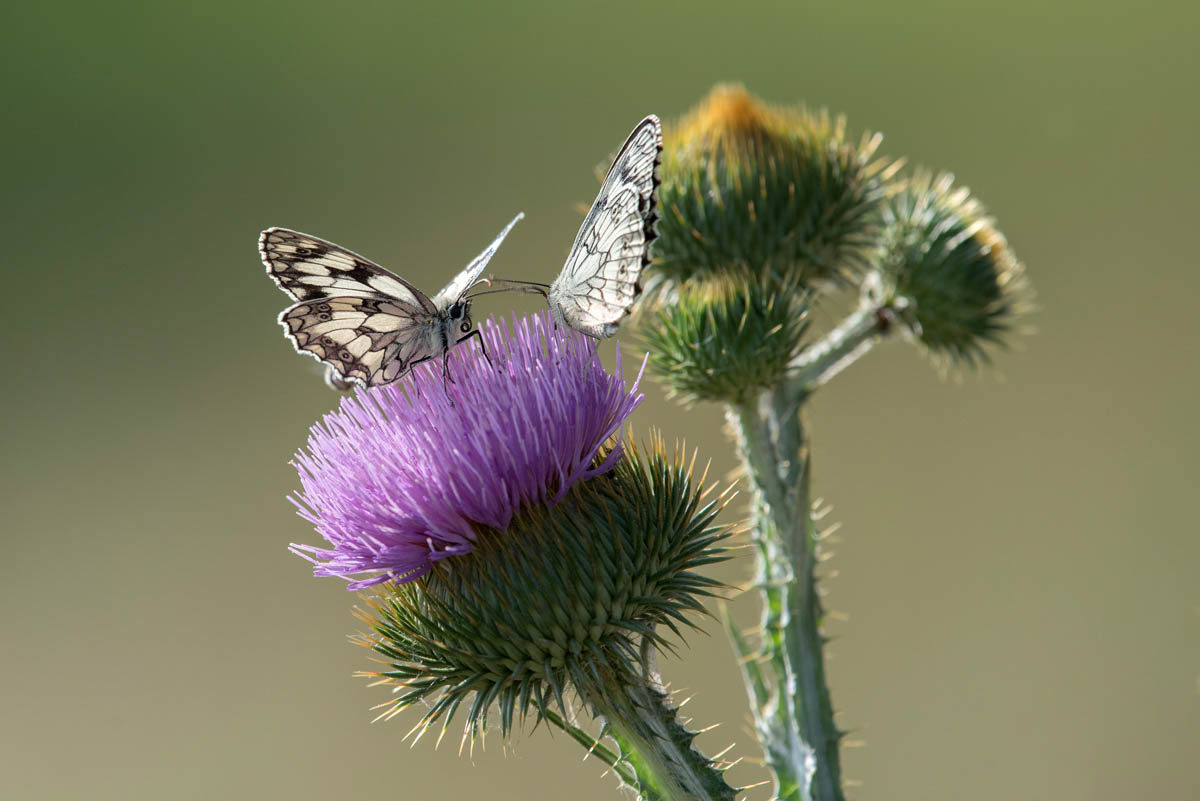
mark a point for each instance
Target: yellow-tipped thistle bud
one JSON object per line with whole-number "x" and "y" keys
{"x": 746, "y": 185}
{"x": 943, "y": 255}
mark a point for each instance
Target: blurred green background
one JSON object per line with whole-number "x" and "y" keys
{"x": 1015, "y": 591}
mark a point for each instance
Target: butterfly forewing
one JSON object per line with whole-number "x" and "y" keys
{"x": 306, "y": 267}
{"x": 369, "y": 325}
{"x": 600, "y": 279}
{"x": 458, "y": 286}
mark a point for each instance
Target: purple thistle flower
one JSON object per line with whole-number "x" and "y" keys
{"x": 397, "y": 478}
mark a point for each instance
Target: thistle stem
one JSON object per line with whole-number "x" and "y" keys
{"x": 841, "y": 347}
{"x": 785, "y": 677}
{"x": 594, "y": 746}
{"x": 651, "y": 740}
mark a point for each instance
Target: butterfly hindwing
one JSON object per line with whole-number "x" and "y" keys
{"x": 600, "y": 279}
{"x": 307, "y": 267}
{"x": 367, "y": 324}
{"x": 372, "y": 341}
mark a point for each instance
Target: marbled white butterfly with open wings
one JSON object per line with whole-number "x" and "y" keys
{"x": 601, "y": 278}
{"x": 369, "y": 326}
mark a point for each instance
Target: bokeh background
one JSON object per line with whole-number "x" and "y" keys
{"x": 1015, "y": 580}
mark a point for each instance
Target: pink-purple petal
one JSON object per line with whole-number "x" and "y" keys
{"x": 399, "y": 477}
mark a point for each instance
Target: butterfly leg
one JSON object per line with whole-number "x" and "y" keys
{"x": 447, "y": 379}
{"x": 416, "y": 385}
{"x": 475, "y": 333}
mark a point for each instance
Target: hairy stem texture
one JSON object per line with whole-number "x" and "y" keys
{"x": 785, "y": 670}
{"x": 594, "y": 747}
{"x": 640, "y": 720}
{"x": 840, "y": 348}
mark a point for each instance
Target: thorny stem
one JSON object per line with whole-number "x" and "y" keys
{"x": 594, "y": 746}
{"x": 650, "y": 739}
{"x": 785, "y": 673}
{"x": 841, "y": 347}
{"x": 786, "y": 677}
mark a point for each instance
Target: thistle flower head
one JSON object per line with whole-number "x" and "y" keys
{"x": 943, "y": 255}
{"x": 748, "y": 185}
{"x": 560, "y": 603}
{"x": 404, "y": 475}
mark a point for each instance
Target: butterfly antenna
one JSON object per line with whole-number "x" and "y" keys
{"x": 527, "y": 289}
{"x": 515, "y": 281}
{"x": 534, "y": 287}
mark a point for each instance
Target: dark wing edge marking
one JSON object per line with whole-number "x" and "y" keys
{"x": 279, "y": 267}
{"x": 282, "y": 319}
{"x": 649, "y": 215}
{"x": 650, "y": 218}
{"x": 387, "y": 347}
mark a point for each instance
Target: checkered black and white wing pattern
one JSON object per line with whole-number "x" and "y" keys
{"x": 601, "y": 278}
{"x": 370, "y": 341}
{"x": 306, "y": 267}
{"x": 369, "y": 325}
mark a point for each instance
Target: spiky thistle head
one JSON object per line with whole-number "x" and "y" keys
{"x": 557, "y": 604}
{"x": 519, "y": 552}
{"x": 961, "y": 286}
{"x": 749, "y": 186}
{"x": 728, "y": 336}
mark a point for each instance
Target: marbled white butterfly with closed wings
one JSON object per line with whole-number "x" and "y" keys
{"x": 601, "y": 278}
{"x": 368, "y": 325}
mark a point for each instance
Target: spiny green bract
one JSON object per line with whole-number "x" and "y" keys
{"x": 943, "y": 254}
{"x": 747, "y": 184}
{"x": 563, "y": 593}
{"x": 726, "y": 338}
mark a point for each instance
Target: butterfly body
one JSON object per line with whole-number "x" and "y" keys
{"x": 366, "y": 324}
{"x": 602, "y": 275}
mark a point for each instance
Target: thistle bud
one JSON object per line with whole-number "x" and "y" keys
{"x": 962, "y": 286}
{"x": 726, "y": 338}
{"x": 748, "y": 186}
